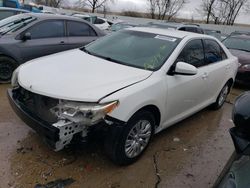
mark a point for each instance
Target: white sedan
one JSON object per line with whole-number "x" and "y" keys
{"x": 133, "y": 84}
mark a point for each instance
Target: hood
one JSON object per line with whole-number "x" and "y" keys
{"x": 76, "y": 75}
{"x": 243, "y": 56}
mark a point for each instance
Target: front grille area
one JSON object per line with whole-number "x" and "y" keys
{"x": 37, "y": 104}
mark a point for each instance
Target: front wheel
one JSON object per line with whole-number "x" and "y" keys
{"x": 7, "y": 66}
{"x": 221, "y": 97}
{"x": 133, "y": 140}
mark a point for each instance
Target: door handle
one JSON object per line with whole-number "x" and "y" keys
{"x": 62, "y": 42}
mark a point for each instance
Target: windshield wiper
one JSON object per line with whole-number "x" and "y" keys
{"x": 85, "y": 50}
{"x": 18, "y": 25}
{"x": 16, "y": 22}
{"x": 103, "y": 57}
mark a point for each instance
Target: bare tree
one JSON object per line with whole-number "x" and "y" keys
{"x": 222, "y": 11}
{"x": 152, "y": 7}
{"x": 93, "y": 4}
{"x": 207, "y": 7}
{"x": 51, "y": 3}
{"x": 174, "y": 7}
{"x": 165, "y": 8}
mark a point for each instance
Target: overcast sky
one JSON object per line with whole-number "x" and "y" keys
{"x": 189, "y": 11}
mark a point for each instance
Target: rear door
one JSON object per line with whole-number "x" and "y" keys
{"x": 79, "y": 34}
{"x": 218, "y": 66}
{"x": 47, "y": 37}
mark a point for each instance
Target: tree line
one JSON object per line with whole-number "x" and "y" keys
{"x": 214, "y": 11}
{"x": 222, "y": 11}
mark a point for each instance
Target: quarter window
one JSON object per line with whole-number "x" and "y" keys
{"x": 50, "y": 29}
{"x": 213, "y": 52}
{"x": 193, "y": 54}
{"x": 76, "y": 29}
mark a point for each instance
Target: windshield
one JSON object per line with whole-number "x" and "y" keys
{"x": 137, "y": 49}
{"x": 14, "y": 23}
{"x": 237, "y": 43}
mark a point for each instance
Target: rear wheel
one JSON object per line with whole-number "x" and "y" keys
{"x": 7, "y": 66}
{"x": 221, "y": 97}
{"x": 133, "y": 140}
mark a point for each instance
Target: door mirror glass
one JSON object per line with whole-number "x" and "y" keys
{"x": 183, "y": 68}
{"x": 26, "y": 36}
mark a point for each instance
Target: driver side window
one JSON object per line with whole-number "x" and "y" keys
{"x": 193, "y": 53}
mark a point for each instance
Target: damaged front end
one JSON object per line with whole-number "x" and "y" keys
{"x": 58, "y": 121}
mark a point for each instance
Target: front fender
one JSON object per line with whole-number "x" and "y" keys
{"x": 131, "y": 99}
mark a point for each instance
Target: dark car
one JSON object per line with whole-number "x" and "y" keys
{"x": 236, "y": 173}
{"x": 176, "y": 26}
{"x": 240, "y": 33}
{"x": 7, "y": 12}
{"x": 27, "y": 36}
{"x": 216, "y": 33}
{"x": 239, "y": 45}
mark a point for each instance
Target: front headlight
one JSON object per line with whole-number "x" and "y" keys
{"x": 83, "y": 113}
{"x": 247, "y": 66}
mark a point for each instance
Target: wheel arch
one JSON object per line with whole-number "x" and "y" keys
{"x": 155, "y": 112}
{"x": 230, "y": 81}
{"x": 4, "y": 55}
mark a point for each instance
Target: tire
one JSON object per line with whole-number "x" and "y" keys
{"x": 221, "y": 97}
{"x": 7, "y": 66}
{"x": 126, "y": 145}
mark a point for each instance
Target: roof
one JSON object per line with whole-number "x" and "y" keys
{"x": 240, "y": 36}
{"x": 14, "y": 9}
{"x": 173, "y": 33}
{"x": 43, "y": 16}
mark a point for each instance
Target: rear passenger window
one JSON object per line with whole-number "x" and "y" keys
{"x": 48, "y": 29}
{"x": 99, "y": 21}
{"x": 193, "y": 53}
{"x": 76, "y": 29}
{"x": 213, "y": 52}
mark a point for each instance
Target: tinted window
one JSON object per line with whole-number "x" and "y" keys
{"x": 193, "y": 54}
{"x": 213, "y": 52}
{"x": 80, "y": 29}
{"x": 5, "y": 14}
{"x": 50, "y": 29}
{"x": 199, "y": 30}
{"x": 189, "y": 29}
{"x": 99, "y": 21}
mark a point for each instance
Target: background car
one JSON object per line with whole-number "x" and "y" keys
{"x": 31, "y": 35}
{"x": 7, "y": 12}
{"x": 240, "y": 33}
{"x": 121, "y": 25}
{"x": 239, "y": 45}
{"x": 216, "y": 33}
{"x": 101, "y": 23}
{"x": 176, "y": 26}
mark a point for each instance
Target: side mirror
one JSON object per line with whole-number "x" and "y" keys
{"x": 26, "y": 36}
{"x": 182, "y": 68}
